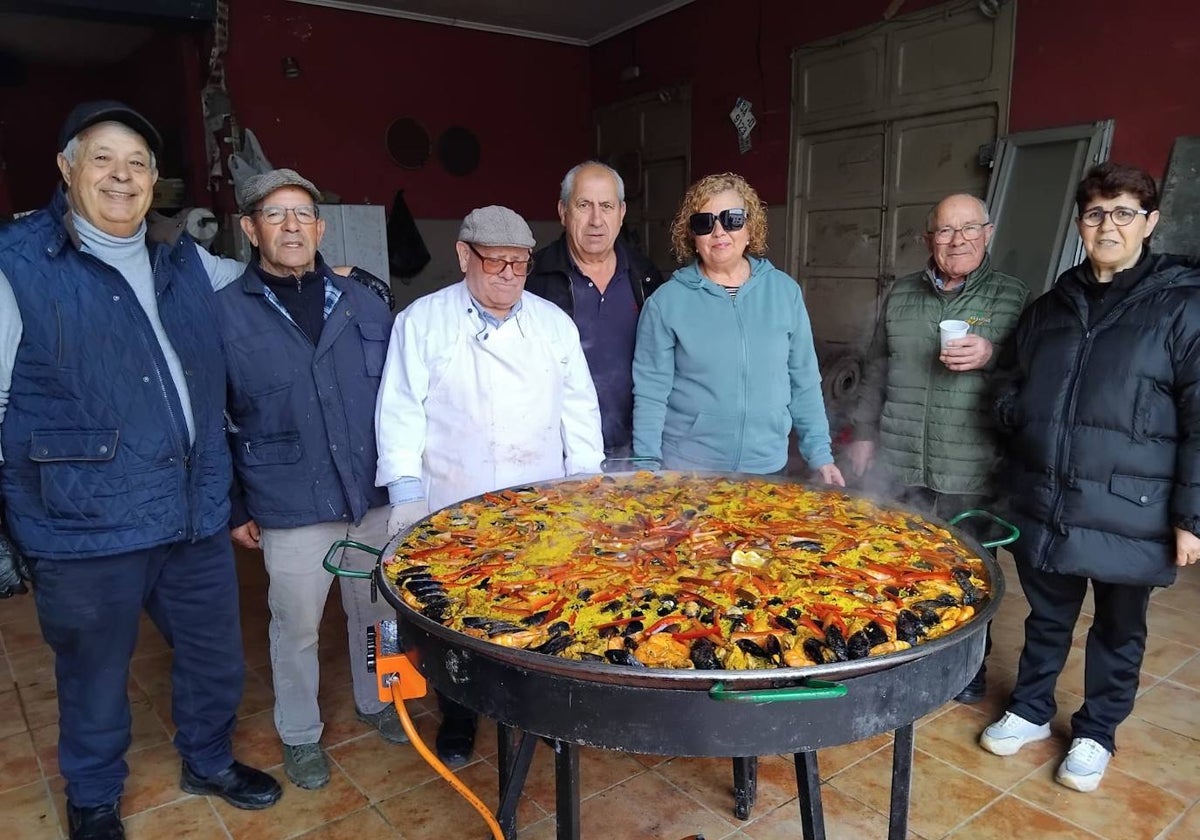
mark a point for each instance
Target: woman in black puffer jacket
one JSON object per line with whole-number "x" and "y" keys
{"x": 1104, "y": 417}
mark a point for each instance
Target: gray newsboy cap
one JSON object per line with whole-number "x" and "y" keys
{"x": 495, "y": 225}
{"x": 258, "y": 187}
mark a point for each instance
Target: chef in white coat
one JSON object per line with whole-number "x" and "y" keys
{"x": 484, "y": 387}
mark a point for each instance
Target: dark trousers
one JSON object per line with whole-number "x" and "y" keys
{"x": 89, "y": 612}
{"x": 1113, "y": 657}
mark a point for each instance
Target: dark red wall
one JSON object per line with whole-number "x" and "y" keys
{"x": 32, "y": 113}
{"x": 1086, "y": 60}
{"x": 527, "y": 102}
{"x": 1074, "y": 61}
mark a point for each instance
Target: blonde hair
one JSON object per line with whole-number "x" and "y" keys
{"x": 683, "y": 240}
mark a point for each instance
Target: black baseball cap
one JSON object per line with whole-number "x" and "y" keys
{"x": 87, "y": 114}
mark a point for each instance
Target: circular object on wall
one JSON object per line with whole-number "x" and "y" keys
{"x": 408, "y": 143}
{"x": 458, "y": 150}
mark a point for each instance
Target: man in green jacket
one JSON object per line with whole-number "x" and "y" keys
{"x": 923, "y": 424}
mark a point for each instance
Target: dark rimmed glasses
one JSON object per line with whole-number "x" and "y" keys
{"x": 1121, "y": 216}
{"x": 273, "y": 214}
{"x": 496, "y": 265}
{"x": 971, "y": 232}
{"x": 702, "y": 224}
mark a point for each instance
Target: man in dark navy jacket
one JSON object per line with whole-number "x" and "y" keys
{"x": 305, "y": 351}
{"x": 602, "y": 283}
{"x": 115, "y": 465}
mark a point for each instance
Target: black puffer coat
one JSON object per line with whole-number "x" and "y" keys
{"x": 1105, "y": 425}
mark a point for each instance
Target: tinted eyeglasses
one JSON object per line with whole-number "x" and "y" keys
{"x": 273, "y": 214}
{"x": 1121, "y": 216}
{"x": 495, "y": 265}
{"x": 702, "y": 224}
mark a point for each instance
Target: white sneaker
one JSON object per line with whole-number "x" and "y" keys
{"x": 1084, "y": 766}
{"x": 1010, "y": 733}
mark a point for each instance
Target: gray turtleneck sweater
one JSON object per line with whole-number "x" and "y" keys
{"x": 131, "y": 258}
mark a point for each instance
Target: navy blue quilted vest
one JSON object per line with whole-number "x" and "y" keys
{"x": 97, "y": 457}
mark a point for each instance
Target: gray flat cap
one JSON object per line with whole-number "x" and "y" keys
{"x": 495, "y": 225}
{"x": 258, "y": 187}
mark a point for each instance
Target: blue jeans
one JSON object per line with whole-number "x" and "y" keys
{"x": 89, "y": 611}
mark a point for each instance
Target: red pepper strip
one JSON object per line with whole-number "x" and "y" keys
{"x": 896, "y": 599}
{"x": 620, "y": 622}
{"x": 538, "y": 603}
{"x": 697, "y": 633}
{"x": 805, "y": 621}
{"x": 910, "y": 577}
{"x": 663, "y": 622}
{"x": 555, "y": 611}
{"x": 695, "y": 581}
{"x": 492, "y": 498}
{"x": 697, "y": 597}
{"x": 521, "y": 611}
{"x": 606, "y": 595}
{"x": 880, "y": 571}
{"x": 844, "y": 545}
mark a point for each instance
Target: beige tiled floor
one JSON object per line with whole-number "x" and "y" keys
{"x": 1152, "y": 789}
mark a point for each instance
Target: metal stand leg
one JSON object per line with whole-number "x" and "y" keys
{"x": 808, "y": 784}
{"x": 566, "y": 790}
{"x": 514, "y": 768}
{"x": 902, "y": 763}
{"x": 745, "y": 786}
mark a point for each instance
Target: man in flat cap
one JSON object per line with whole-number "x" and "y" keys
{"x": 305, "y": 349}
{"x": 116, "y": 468}
{"x": 484, "y": 387}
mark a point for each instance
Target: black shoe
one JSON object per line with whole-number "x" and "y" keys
{"x": 456, "y": 740}
{"x": 975, "y": 691}
{"x": 100, "y": 823}
{"x": 241, "y": 786}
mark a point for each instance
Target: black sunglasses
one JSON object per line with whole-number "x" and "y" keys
{"x": 732, "y": 219}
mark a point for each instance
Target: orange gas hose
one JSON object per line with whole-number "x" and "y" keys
{"x": 442, "y": 770}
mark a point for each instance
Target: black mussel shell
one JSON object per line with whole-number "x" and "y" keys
{"x": 623, "y": 657}
{"x": 704, "y": 655}
{"x": 876, "y": 635}
{"x": 858, "y": 646}
{"x": 558, "y": 627}
{"x": 816, "y": 651}
{"x": 908, "y": 627}
{"x": 554, "y": 645}
{"x": 836, "y": 643}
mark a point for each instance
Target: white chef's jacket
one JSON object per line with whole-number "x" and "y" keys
{"x": 471, "y": 408}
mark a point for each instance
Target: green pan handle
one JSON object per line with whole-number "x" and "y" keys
{"x": 337, "y": 570}
{"x": 1013, "y": 531}
{"x": 808, "y": 690}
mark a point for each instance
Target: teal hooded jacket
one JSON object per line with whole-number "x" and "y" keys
{"x": 719, "y": 382}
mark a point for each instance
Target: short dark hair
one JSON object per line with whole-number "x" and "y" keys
{"x": 1109, "y": 180}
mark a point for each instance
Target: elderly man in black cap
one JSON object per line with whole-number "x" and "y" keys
{"x": 116, "y": 468}
{"x": 484, "y": 387}
{"x": 305, "y": 350}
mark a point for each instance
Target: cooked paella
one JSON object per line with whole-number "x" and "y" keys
{"x": 675, "y": 570}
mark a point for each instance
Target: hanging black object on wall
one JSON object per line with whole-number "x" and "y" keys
{"x": 407, "y": 253}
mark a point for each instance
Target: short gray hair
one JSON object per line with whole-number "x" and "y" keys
{"x": 72, "y": 148}
{"x": 568, "y": 181}
{"x": 932, "y": 217}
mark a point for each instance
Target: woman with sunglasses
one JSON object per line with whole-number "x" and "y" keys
{"x": 724, "y": 365}
{"x": 1104, "y": 416}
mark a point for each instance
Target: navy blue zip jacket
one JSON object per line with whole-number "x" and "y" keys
{"x": 97, "y": 453}
{"x": 303, "y": 416}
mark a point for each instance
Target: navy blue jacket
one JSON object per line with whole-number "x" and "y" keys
{"x": 97, "y": 455}
{"x": 303, "y": 417}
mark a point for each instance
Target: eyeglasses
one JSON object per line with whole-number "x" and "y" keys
{"x": 702, "y": 224}
{"x": 495, "y": 265}
{"x": 273, "y": 214}
{"x": 1121, "y": 216}
{"x": 971, "y": 232}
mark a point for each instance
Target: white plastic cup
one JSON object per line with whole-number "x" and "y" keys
{"x": 951, "y": 330}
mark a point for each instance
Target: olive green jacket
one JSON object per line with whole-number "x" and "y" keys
{"x": 934, "y": 427}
